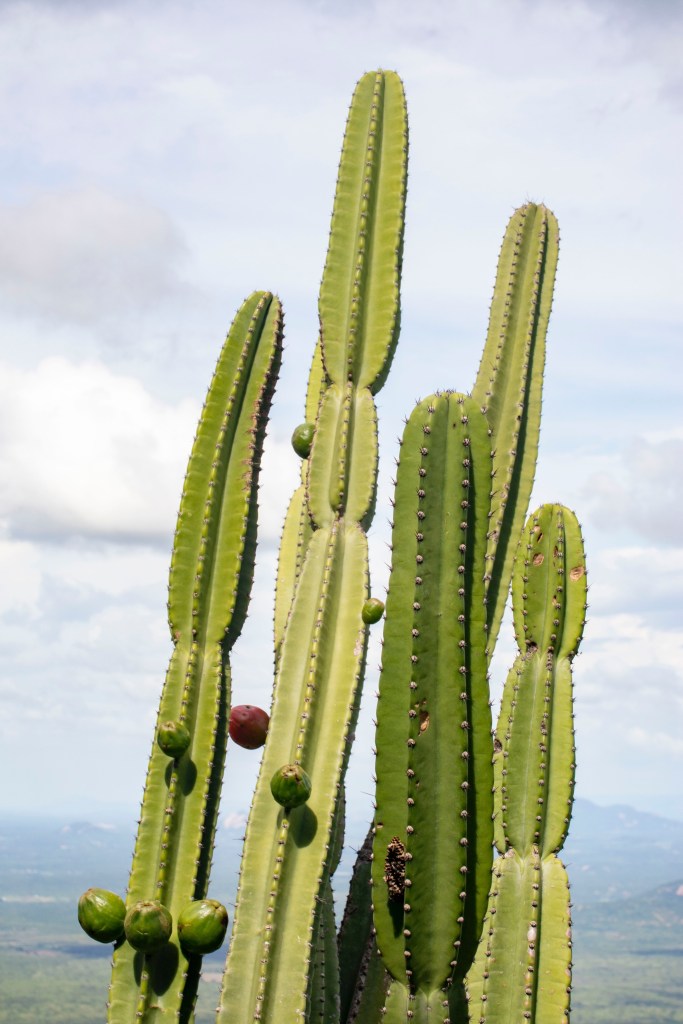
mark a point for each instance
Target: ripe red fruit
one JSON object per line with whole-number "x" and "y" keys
{"x": 248, "y": 726}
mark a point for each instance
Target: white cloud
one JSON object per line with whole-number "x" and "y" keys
{"x": 85, "y": 255}
{"x": 640, "y": 489}
{"x": 20, "y": 577}
{"x": 84, "y": 451}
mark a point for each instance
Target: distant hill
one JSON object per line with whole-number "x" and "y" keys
{"x": 626, "y": 869}
{"x": 617, "y": 852}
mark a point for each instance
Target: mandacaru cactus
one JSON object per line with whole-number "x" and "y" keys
{"x": 425, "y": 937}
{"x": 523, "y": 966}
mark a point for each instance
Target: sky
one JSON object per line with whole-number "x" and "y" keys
{"x": 158, "y": 162}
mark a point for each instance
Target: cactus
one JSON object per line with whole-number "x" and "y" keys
{"x": 433, "y": 822}
{"x": 323, "y": 574}
{"x": 409, "y": 947}
{"x": 210, "y": 579}
{"x": 523, "y": 967}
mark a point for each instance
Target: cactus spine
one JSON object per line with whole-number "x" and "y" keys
{"x": 210, "y": 580}
{"x": 320, "y": 635}
{"x": 523, "y": 967}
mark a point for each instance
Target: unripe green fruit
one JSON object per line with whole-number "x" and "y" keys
{"x": 202, "y": 926}
{"x": 248, "y": 726}
{"x": 373, "y": 610}
{"x": 148, "y": 926}
{"x": 302, "y": 439}
{"x": 101, "y": 914}
{"x": 290, "y": 786}
{"x": 173, "y": 738}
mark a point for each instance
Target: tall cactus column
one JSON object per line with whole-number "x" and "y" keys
{"x": 523, "y": 967}
{"x": 320, "y": 634}
{"x": 210, "y": 581}
{"x": 433, "y": 820}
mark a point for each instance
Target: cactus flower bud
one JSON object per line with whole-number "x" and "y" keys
{"x": 148, "y": 926}
{"x": 290, "y": 786}
{"x": 302, "y": 439}
{"x": 173, "y": 738}
{"x": 202, "y": 926}
{"x": 101, "y": 914}
{"x": 248, "y": 726}
{"x": 372, "y": 611}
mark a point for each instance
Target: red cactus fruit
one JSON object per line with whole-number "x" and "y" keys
{"x": 248, "y": 726}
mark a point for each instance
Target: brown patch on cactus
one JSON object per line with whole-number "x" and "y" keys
{"x": 539, "y": 559}
{"x": 577, "y": 572}
{"x": 424, "y": 721}
{"x": 395, "y": 869}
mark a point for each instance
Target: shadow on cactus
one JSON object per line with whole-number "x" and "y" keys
{"x": 410, "y": 946}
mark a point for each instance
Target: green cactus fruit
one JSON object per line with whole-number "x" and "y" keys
{"x": 202, "y": 926}
{"x": 248, "y": 726}
{"x": 291, "y": 786}
{"x": 302, "y": 439}
{"x": 101, "y": 914}
{"x": 373, "y": 610}
{"x": 148, "y": 926}
{"x": 173, "y": 738}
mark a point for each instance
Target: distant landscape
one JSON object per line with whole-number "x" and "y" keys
{"x": 626, "y": 869}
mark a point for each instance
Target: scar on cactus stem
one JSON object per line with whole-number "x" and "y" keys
{"x": 248, "y": 726}
{"x": 373, "y": 610}
{"x": 302, "y": 439}
{"x": 101, "y": 914}
{"x": 173, "y": 738}
{"x": 291, "y": 786}
{"x": 148, "y": 926}
{"x": 202, "y": 926}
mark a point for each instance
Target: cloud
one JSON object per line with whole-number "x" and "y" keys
{"x": 641, "y": 490}
{"x": 86, "y": 452}
{"x": 86, "y": 255}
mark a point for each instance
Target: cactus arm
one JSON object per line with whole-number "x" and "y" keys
{"x": 524, "y": 964}
{"x": 370, "y": 996}
{"x": 323, "y": 998}
{"x": 322, "y": 653}
{"x": 553, "y": 985}
{"x": 296, "y": 536}
{"x": 535, "y": 731}
{"x": 359, "y": 297}
{"x": 324, "y": 650}
{"x": 356, "y": 929}
{"x": 297, "y": 531}
{"x": 339, "y": 483}
{"x": 210, "y": 578}
{"x": 434, "y": 774}
{"x": 509, "y": 383}
{"x": 523, "y": 967}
